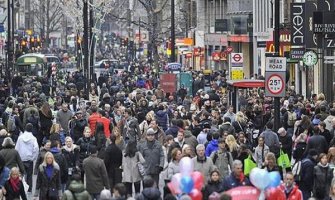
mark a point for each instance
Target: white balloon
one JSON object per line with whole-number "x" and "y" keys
{"x": 259, "y": 178}
{"x": 186, "y": 166}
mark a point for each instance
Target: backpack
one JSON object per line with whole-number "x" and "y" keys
{"x": 216, "y": 156}
{"x": 292, "y": 117}
{"x": 296, "y": 171}
{"x": 11, "y": 126}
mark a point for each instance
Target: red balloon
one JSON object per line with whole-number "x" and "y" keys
{"x": 198, "y": 180}
{"x": 275, "y": 193}
{"x": 195, "y": 194}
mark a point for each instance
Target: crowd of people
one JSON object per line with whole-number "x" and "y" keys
{"x": 125, "y": 140}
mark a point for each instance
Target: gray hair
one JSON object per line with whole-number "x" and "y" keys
{"x": 237, "y": 163}
{"x": 105, "y": 194}
{"x": 8, "y": 143}
{"x": 200, "y": 146}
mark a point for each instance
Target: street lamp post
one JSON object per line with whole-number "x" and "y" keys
{"x": 173, "y": 35}
{"x": 86, "y": 45}
{"x": 277, "y": 47}
{"x": 9, "y": 40}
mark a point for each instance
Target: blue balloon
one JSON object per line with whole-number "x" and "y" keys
{"x": 186, "y": 184}
{"x": 274, "y": 179}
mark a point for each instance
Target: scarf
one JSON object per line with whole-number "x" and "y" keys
{"x": 15, "y": 183}
{"x": 66, "y": 148}
{"x": 49, "y": 169}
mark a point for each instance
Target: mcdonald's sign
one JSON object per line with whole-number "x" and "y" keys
{"x": 270, "y": 48}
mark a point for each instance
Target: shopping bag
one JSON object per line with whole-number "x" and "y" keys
{"x": 283, "y": 160}
{"x": 249, "y": 164}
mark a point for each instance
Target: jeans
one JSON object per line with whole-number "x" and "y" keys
{"x": 95, "y": 196}
{"x": 29, "y": 168}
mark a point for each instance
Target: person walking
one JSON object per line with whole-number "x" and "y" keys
{"x": 95, "y": 173}
{"x": 11, "y": 155}
{"x": 131, "y": 174}
{"x": 113, "y": 161}
{"x": 48, "y": 183}
{"x": 153, "y": 154}
{"x": 14, "y": 188}
{"x": 27, "y": 147}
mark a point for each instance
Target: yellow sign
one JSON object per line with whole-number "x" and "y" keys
{"x": 237, "y": 74}
{"x": 29, "y": 32}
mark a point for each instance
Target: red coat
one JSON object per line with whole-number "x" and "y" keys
{"x": 295, "y": 194}
{"x": 92, "y": 121}
{"x": 106, "y": 122}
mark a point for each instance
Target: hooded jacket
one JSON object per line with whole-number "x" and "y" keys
{"x": 27, "y": 147}
{"x": 76, "y": 188}
{"x": 294, "y": 194}
{"x": 212, "y": 146}
{"x": 162, "y": 119}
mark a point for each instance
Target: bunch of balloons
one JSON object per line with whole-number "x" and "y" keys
{"x": 187, "y": 181}
{"x": 268, "y": 183}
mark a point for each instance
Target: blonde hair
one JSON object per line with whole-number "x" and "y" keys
{"x": 55, "y": 128}
{"x": 47, "y": 154}
{"x": 240, "y": 117}
{"x": 231, "y": 142}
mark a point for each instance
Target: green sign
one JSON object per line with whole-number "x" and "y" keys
{"x": 310, "y": 58}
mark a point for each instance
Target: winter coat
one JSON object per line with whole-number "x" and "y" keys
{"x": 92, "y": 121}
{"x": 307, "y": 174}
{"x": 77, "y": 128}
{"x": 212, "y": 146}
{"x": 77, "y": 189}
{"x": 259, "y": 155}
{"x": 153, "y": 156}
{"x": 286, "y": 142}
{"x": 130, "y": 170}
{"x": 271, "y": 140}
{"x": 323, "y": 176}
{"x": 12, "y": 159}
{"x": 12, "y": 195}
{"x": 151, "y": 193}
{"x": 204, "y": 166}
{"x": 85, "y": 145}
{"x": 63, "y": 119}
{"x": 72, "y": 158}
{"x": 231, "y": 182}
{"x": 43, "y": 183}
{"x": 295, "y": 193}
{"x": 223, "y": 160}
{"x": 40, "y": 159}
{"x": 162, "y": 119}
{"x": 27, "y": 146}
{"x": 131, "y": 129}
{"x": 96, "y": 174}
{"x": 46, "y": 122}
{"x": 211, "y": 187}
{"x": 172, "y": 169}
{"x": 113, "y": 160}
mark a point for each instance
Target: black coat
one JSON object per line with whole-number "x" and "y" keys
{"x": 307, "y": 169}
{"x": 11, "y": 195}
{"x": 299, "y": 151}
{"x": 212, "y": 187}
{"x": 286, "y": 142}
{"x": 43, "y": 183}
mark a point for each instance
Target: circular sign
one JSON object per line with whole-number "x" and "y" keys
{"x": 237, "y": 57}
{"x": 275, "y": 84}
{"x": 310, "y": 58}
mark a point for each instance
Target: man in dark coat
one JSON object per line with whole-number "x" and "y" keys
{"x": 96, "y": 174}
{"x": 317, "y": 142}
{"x": 113, "y": 161}
{"x": 307, "y": 173}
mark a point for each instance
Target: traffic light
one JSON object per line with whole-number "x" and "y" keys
{"x": 23, "y": 44}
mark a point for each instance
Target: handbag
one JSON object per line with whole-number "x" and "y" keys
{"x": 249, "y": 164}
{"x": 52, "y": 193}
{"x": 140, "y": 166}
{"x": 283, "y": 160}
